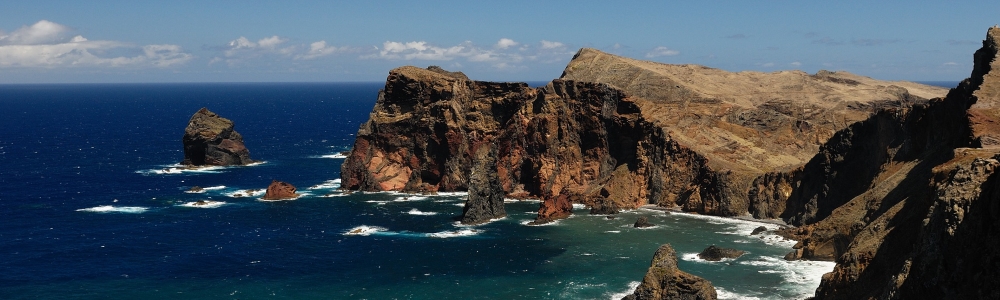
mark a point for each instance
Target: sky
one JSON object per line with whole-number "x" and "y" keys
{"x": 97, "y": 41}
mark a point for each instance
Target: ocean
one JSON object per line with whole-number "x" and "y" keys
{"x": 93, "y": 207}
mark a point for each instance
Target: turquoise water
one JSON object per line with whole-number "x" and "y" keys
{"x": 93, "y": 209}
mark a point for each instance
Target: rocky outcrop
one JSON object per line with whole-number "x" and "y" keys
{"x": 758, "y": 230}
{"x": 642, "y": 222}
{"x": 211, "y": 140}
{"x": 664, "y": 280}
{"x": 485, "y": 201}
{"x": 713, "y": 253}
{"x": 279, "y": 190}
{"x": 601, "y": 139}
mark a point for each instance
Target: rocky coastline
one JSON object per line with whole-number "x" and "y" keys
{"x": 893, "y": 181}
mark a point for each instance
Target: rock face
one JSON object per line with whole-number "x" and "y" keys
{"x": 905, "y": 201}
{"x": 279, "y": 190}
{"x": 211, "y": 140}
{"x": 664, "y": 280}
{"x": 485, "y": 201}
{"x": 595, "y": 144}
{"x": 713, "y": 253}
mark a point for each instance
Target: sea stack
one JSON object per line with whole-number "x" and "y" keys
{"x": 664, "y": 280}
{"x": 485, "y": 193}
{"x": 210, "y": 140}
{"x": 279, "y": 190}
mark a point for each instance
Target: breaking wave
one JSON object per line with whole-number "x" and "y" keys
{"x": 115, "y": 209}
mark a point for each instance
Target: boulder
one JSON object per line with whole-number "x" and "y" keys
{"x": 553, "y": 209}
{"x": 664, "y": 280}
{"x": 211, "y": 140}
{"x": 758, "y": 230}
{"x": 713, "y": 253}
{"x": 279, "y": 190}
{"x": 642, "y": 222}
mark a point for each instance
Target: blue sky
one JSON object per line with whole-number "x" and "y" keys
{"x": 306, "y": 41}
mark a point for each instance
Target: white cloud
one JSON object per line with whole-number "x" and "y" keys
{"x": 661, "y": 51}
{"x": 421, "y": 50}
{"x": 767, "y": 65}
{"x": 46, "y": 44}
{"x": 951, "y": 63}
{"x": 318, "y": 49}
{"x": 505, "y": 43}
{"x": 796, "y": 64}
{"x": 552, "y": 45}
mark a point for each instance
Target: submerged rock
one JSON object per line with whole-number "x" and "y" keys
{"x": 211, "y": 140}
{"x": 665, "y": 281}
{"x": 485, "y": 201}
{"x": 642, "y": 222}
{"x": 279, "y": 190}
{"x": 713, "y": 253}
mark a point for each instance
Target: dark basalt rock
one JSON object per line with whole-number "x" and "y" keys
{"x": 664, "y": 280}
{"x": 279, "y": 190}
{"x": 758, "y": 230}
{"x": 485, "y": 193}
{"x": 210, "y": 140}
{"x": 642, "y": 222}
{"x": 713, "y": 253}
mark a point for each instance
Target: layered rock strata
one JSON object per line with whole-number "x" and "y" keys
{"x": 664, "y": 280}
{"x": 595, "y": 144}
{"x": 211, "y": 140}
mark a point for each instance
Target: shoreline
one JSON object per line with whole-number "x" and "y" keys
{"x": 677, "y": 209}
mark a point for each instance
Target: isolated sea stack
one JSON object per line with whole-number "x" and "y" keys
{"x": 210, "y": 140}
{"x": 665, "y": 281}
{"x": 485, "y": 201}
{"x": 279, "y": 190}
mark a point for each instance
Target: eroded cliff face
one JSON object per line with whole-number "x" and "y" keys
{"x": 906, "y": 201}
{"x": 665, "y": 281}
{"x": 703, "y": 147}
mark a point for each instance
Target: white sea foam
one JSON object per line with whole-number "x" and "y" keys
{"x": 410, "y": 198}
{"x": 204, "y": 189}
{"x": 365, "y": 230}
{"x": 204, "y": 204}
{"x": 335, "y": 194}
{"x": 724, "y": 294}
{"x": 553, "y": 223}
{"x": 181, "y": 169}
{"x": 327, "y": 185}
{"x": 118, "y": 209}
{"x": 805, "y": 275}
{"x": 613, "y": 231}
{"x": 334, "y": 156}
{"x": 694, "y": 257}
{"x": 628, "y": 291}
{"x": 451, "y": 194}
{"x": 455, "y": 233}
{"x": 246, "y": 193}
{"x": 300, "y": 195}
{"x": 417, "y": 212}
{"x": 508, "y": 200}
{"x": 579, "y": 206}
{"x": 379, "y": 202}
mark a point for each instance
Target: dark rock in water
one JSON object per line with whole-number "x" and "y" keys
{"x": 196, "y": 189}
{"x": 603, "y": 209}
{"x": 279, "y": 190}
{"x": 664, "y": 280}
{"x": 211, "y": 140}
{"x": 642, "y": 222}
{"x": 553, "y": 209}
{"x": 485, "y": 193}
{"x": 713, "y": 253}
{"x": 611, "y": 217}
{"x": 758, "y": 230}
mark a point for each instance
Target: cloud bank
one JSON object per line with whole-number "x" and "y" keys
{"x": 47, "y": 44}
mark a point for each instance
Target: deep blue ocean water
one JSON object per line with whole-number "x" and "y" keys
{"x": 91, "y": 209}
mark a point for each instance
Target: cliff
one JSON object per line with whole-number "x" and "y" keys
{"x": 212, "y": 140}
{"x": 699, "y": 145}
{"x": 909, "y": 197}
